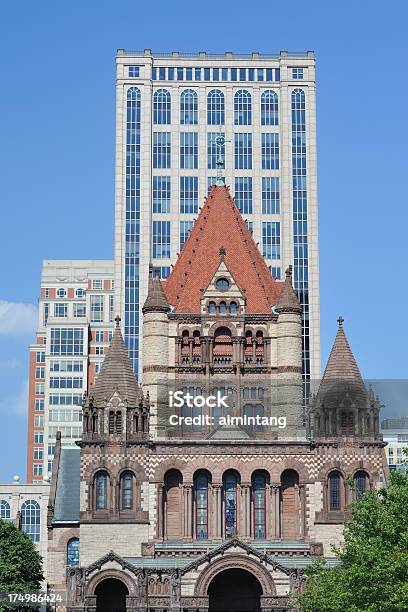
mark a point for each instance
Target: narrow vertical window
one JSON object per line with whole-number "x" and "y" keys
{"x": 243, "y": 194}
{"x": 161, "y": 107}
{"x": 230, "y": 501}
{"x": 161, "y": 239}
{"x": 188, "y": 194}
{"x": 188, "y": 150}
{"x": 101, "y": 491}
{"x": 243, "y": 151}
{"x": 242, "y": 108}
{"x": 132, "y": 230}
{"x": 215, "y": 107}
{"x": 259, "y": 501}
{"x": 161, "y": 150}
{"x": 73, "y": 552}
{"x": 189, "y": 107}
{"x": 334, "y": 492}
{"x": 31, "y": 519}
{"x": 161, "y": 194}
{"x": 360, "y": 481}
{"x": 269, "y": 108}
{"x": 271, "y": 239}
{"x": 201, "y": 499}
{"x": 270, "y": 151}
{"x": 127, "y": 491}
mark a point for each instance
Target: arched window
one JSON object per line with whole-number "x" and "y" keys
{"x": 269, "y": 108}
{"x": 189, "y": 107}
{"x": 222, "y": 347}
{"x": 101, "y": 491}
{"x": 172, "y": 486}
{"x": 73, "y": 551}
{"x": 242, "y": 107}
{"x": 111, "y": 421}
{"x": 230, "y": 503}
{"x": 212, "y": 309}
{"x": 334, "y": 492}
{"x": 4, "y": 509}
{"x": 201, "y": 482}
{"x": 347, "y": 423}
{"x": 259, "y": 502}
{"x": 289, "y": 504}
{"x": 361, "y": 483}
{"x": 30, "y": 519}
{"x": 223, "y": 308}
{"x": 215, "y": 107}
{"x": 161, "y": 107}
{"x": 233, "y": 308}
{"x": 126, "y": 491}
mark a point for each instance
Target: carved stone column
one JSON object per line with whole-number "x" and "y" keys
{"x": 160, "y": 509}
{"x": 277, "y": 523}
{"x": 268, "y": 513}
{"x": 187, "y": 490}
{"x": 245, "y": 513}
{"x": 178, "y": 351}
{"x": 217, "y": 510}
{"x": 302, "y": 500}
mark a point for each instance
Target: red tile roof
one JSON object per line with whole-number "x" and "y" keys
{"x": 220, "y": 224}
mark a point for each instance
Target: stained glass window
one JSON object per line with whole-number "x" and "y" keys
{"x": 201, "y": 492}
{"x": 230, "y": 490}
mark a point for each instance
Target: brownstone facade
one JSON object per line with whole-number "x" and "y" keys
{"x": 215, "y": 517}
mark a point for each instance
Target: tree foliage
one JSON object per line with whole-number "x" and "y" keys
{"x": 372, "y": 574}
{"x": 20, "y": 562}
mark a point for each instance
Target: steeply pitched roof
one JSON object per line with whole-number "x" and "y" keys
{"x": 67, "y": 492}
{"x": 288, "y": 301}
{"x": 220, "y": 225}
{"x": 116, "y": 374}
{"x": 341, "y": 364}
{"x": 156, "y": 300}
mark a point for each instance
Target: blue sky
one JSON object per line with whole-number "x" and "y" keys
{"x": 57, "y": 152}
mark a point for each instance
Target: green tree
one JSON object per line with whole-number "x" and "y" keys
{"x": 372, "y": 574}
{"x": 20, "y": 562}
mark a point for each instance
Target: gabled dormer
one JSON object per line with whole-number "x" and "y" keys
{"x": 223, "y": 296}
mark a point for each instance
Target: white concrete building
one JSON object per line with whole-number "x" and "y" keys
{"x": 170, "y": 109}
{"x": 75, "y": 324}
{"x": 26, "y": 505}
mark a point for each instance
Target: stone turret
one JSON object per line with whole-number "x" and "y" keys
{"x": 115, "y": 408}
{"x": 155, "y": 356}
{"x": 343, "y": 405}
{"x": 289, "y": 349}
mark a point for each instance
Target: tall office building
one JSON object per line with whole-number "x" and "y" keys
{"x": 74, "y": 329}
{"x": 170, "y": 109}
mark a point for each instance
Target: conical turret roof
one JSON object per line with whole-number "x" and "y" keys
{"x": 156, "y": 300}
{"x": 341, "y": 364}
{"x": 116, "y": 375}
{"x": 288, "y": 300}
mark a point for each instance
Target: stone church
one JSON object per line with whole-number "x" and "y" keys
{"x": 152, "y": 518}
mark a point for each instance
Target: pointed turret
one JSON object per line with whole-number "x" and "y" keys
{"x": 288, "y": 300}
{"x": 116, "y": 375}
{"x": 156, "y": 300}
{"x": 343, "y": 406}
{"x": 155, "y": 347}
{"x": 341, "y": 363}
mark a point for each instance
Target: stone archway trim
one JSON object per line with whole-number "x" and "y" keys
{"x": 235, "y": 562}
{"x": 96, "y": 580}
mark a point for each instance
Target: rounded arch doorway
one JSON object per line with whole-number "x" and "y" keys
{"x": 111, "y": 596}
{"x": 234, "y": 590}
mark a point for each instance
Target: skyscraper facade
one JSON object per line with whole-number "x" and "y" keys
{"x": 170, "y": 110}
{"x": 74, "y": 328}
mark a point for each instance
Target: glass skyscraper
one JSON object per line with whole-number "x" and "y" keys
{"x": 170, "y": 109}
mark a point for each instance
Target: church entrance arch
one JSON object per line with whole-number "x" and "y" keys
{"x": 111, "y": 595}
{"x": 234, "y": 590}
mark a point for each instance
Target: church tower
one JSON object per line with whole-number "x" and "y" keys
{"x": 116, "y": 417}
